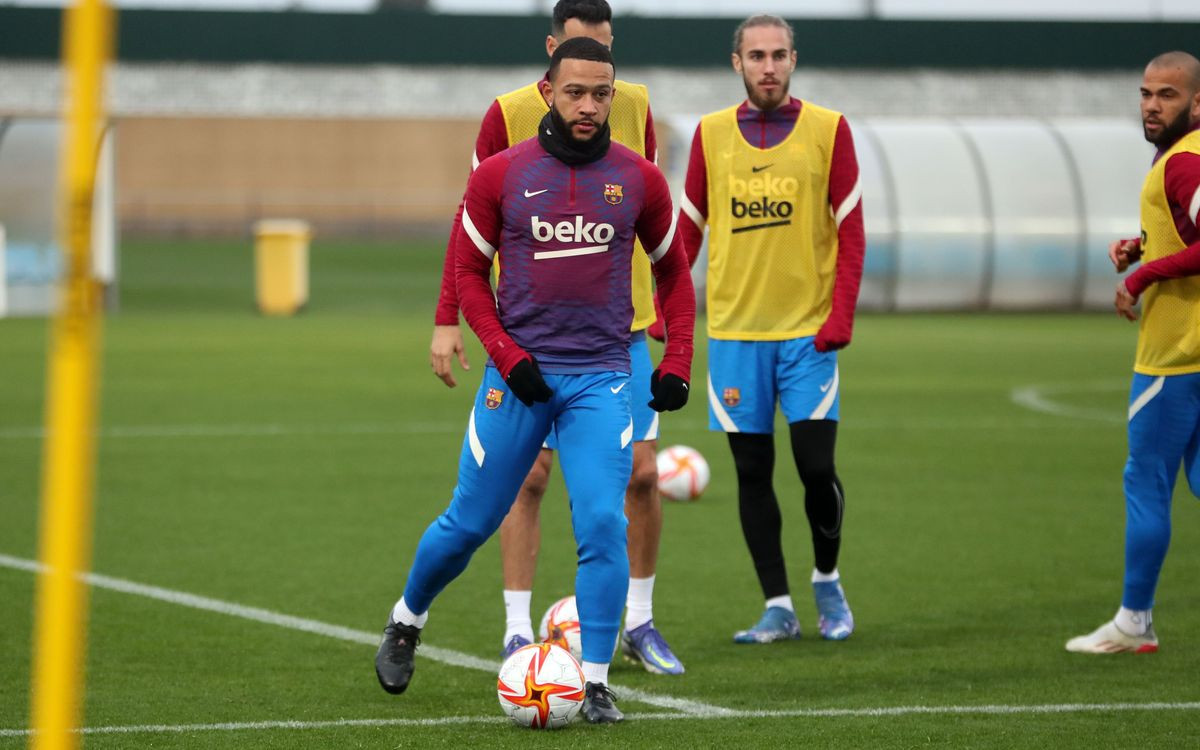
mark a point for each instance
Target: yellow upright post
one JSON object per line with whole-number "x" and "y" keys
{"x": 69, "y": 452}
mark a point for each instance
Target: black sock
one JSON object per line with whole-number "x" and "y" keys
{"x": 762, "y": 524}
{"x": 824, "y": 500}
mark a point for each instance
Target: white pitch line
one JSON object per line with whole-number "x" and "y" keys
{"x": 458, "y": 427}
{"x": 1039, "y": 398}
{"x": 241, "y": 726}
{"x": 247, "y": 430}
{"x": 266, "y": 616}
{"x": 800, "y": 713}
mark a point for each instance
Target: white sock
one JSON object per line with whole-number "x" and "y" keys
{"x": 639, "y": 602}
{"x": 1133, "y": 621}
{"x": 819, "y": 577}
{"x": 594, "y": 672}
{"x": 784, "y": 601}
{"x": 405, "y": 616}
{"x": 516, "y": 615}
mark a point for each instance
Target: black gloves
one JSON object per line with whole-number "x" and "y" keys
{"x": 670, "y": 392}
{"x": 526, "y": 383}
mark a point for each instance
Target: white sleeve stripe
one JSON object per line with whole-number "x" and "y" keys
{"x": 483, "y": 245}
{"x": 1194, "y": 208}
{"x": 849, "y": 203}
{"x": 474, "y": 161}
{"x": 690, "y": 209}
{"x": 662, "y": 249}
{"x": 655, "y": 164}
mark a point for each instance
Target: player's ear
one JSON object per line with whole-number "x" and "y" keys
{"x": 793, "y": 59}
{"x": 737, "y": 61}
{"x": 551, "y": 45}
{"x": 547, "y": 91}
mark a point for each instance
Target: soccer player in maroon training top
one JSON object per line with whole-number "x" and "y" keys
{"x": 512, "y": 118}
{"x": 776, "y": 181}
{"x": 561, "y": 211}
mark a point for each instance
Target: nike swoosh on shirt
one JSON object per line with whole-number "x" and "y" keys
{"x": 530, "y": 194}
{"x": 756, "y": 170}
{"x": 617, "y": 389}
{"x": 825, "y": 387}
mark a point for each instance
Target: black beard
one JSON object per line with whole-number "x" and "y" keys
{"x": 555, "y": 137}
{"x": 561, "y": 125}
{"x": 765, "y": 105}
{"x": 1171, "y": 132}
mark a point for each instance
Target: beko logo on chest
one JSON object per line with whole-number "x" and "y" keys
{"x": 572, "y": 231}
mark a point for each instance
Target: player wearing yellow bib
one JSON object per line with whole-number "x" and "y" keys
{"x": 776, "y": 181}
{"x": 512, "y": 118}
{"x": 1164, "y": 400}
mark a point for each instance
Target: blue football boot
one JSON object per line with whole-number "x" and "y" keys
{"x": 834, "y": 621}
{"x": 646, "y": 645}
{"x": 514, "y": 644}
{"x": 776, "y": 624}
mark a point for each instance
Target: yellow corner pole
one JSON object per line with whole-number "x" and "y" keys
{"x": 69, "y": 451}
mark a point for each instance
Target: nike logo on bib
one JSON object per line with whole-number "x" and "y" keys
{"x": 617, "y": 389}
{"x": 530, "y": 194}
{"x": 756, "y": 170}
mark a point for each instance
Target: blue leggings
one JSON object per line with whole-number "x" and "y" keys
{"x": 1164, "y": 432}
{"x": 591, "y": 415}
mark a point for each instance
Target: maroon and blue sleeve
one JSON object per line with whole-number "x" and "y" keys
{"x": 492, "y": 139}
{"x": 656, "y": 228}
{"x": 693, "y": 205}
{"x": 689, "y": 226}
{"x": 845, "y": 200}
{"x": 1181, "y": 180}
{"x": 477, "y": 245}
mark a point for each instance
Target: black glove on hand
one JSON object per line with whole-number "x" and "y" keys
{"x": 526, "y": 383}
{"x": 670, "y": 392}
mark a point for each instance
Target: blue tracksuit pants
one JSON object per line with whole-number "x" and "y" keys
{"x": 590, "y": 416}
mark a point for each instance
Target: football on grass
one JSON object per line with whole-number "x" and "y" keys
{"x": 682, "y": 473}
{"x": 560, "y": 626}
{"x": 540, "y": 686}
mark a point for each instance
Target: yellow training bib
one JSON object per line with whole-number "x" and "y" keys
{"x": 772, "y": 242}
{"x": 1169, "y": 335}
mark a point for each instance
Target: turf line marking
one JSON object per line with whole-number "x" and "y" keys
{"x": 266, "y": 616}
{"x": 458, "y": 427}
{"x": 802, "y": 713}
{"x": 246, "y": 430}
{"x": 1040, "y": 398}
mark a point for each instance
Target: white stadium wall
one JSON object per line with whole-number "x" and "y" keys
{"x": 970, "y": 203}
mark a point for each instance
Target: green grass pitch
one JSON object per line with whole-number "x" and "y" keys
{"x": 291, "y": 465}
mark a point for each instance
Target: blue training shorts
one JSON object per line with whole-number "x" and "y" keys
{"x": 746, "y": 378}
{"x": 645, "y": 419}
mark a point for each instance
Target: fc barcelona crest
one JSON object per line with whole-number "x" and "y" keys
{"x": 732, "y": 396}
{"x": 612, "y": 194}
{"x": 495, "y": 397}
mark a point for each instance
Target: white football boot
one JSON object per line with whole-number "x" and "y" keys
{"x": 1109, "y": 639}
